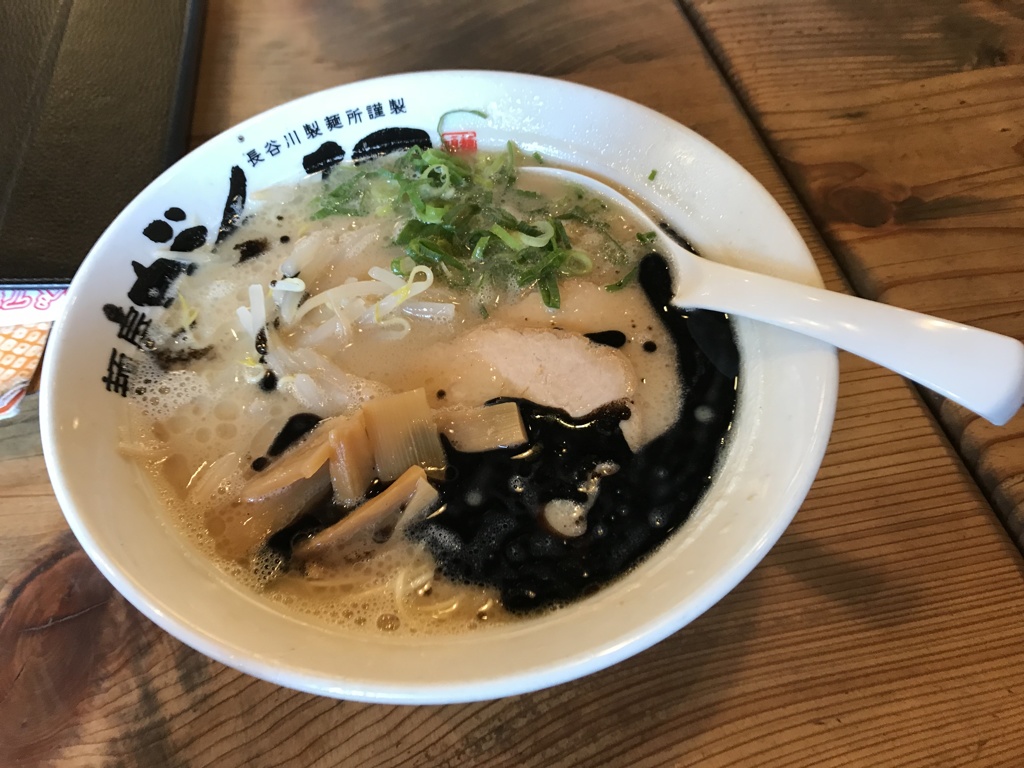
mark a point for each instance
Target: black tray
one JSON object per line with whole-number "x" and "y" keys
{"x": 95, "y": 101}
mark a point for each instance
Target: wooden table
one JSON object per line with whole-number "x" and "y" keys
{"x": 886, "y": 626}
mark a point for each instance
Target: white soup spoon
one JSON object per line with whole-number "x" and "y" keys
{"x": 980, "y": 370}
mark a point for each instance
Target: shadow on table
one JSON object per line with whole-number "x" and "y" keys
{"x": 863, "y": 587}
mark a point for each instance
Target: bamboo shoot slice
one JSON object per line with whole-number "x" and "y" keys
{"x": 373, "y": 511}
{"x": 424, "y": 497}
{"x": 403, "y": 434}
{"x": 241, "y": 527}
{"x": 484, "y": 428}
{"x": 352, "y": 467}
{"x": 297, "y": 463}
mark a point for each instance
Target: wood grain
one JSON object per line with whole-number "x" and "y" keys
{"x": 899, "y": 125}
{"x": 883, "y": 629}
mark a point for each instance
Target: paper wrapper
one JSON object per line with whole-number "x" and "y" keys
{"x": 25, "y": 320}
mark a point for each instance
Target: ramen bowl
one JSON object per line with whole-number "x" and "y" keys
{"x": 785, "y": 405}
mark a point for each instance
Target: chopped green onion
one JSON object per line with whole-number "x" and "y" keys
{"x": 652, "y": 174}
{"x": 561, "y": 238}
{"x": 454, "y": 208}
{"x": 460, "y": 214}
{"x": 415, "y": 200}
{"x": 628, "y": 278}
{"x": 396, "y": 266}
{"x": 576, "y": 263}
{"x": 543, "y": 234}
{"x": 548, "y": 287}
{"x": 413, "y": 228}
{"x": 502, "y": 217}
{"x": 506, "y": 237}
{"x": 431, "y": 214}
{"x": 479, "y": 248}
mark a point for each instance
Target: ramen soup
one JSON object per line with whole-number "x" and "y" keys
{"x": 416, "y": 397}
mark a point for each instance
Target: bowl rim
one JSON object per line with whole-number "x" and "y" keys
{"x": 532, "y": 676}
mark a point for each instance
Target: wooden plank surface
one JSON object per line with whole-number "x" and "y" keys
{"x": 899, "y": 125}
{"x": 883, "y": 629}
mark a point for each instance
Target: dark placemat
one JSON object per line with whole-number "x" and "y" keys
{"x": 95, "y": 100}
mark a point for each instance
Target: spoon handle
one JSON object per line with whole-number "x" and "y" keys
{"x": 980, "y": 370}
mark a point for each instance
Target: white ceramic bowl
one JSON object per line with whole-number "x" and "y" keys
{"x": 785, "y": 409}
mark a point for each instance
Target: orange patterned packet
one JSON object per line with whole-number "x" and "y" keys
{"x": 21, "y": 349}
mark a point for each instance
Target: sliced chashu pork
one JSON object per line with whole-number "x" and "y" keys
{"x": 550, "y": 367}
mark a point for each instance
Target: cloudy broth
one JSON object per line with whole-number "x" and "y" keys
{"x": 623, "y": 424}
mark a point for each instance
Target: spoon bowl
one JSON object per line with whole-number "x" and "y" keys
{"x": 980, "y": 370}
